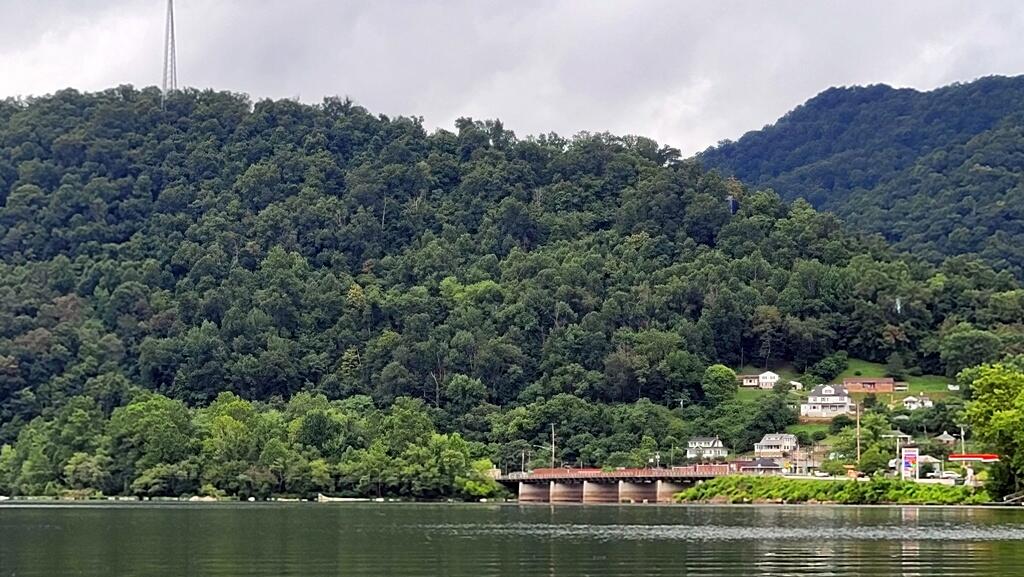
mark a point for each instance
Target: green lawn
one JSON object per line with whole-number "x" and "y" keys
{"x": 749, "y": 393}
{"x": 864, "y": 368}
{"x": 929, "y": 384}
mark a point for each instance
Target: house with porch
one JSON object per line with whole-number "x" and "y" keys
{"x": 706, "y": 448}
{"x": 872, "y": 385}
{"x": 827, "y": 402}
{"x": 775, "y": 445}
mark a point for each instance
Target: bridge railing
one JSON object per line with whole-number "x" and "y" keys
{"x": 688, "y": 472}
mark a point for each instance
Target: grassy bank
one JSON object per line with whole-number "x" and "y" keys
{"x": 751, "y": 489}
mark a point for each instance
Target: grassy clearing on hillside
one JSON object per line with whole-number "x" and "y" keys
{"x": 928, "y": 384}
{"x": 859, "y": 368}
{"x": 933, "y": 385}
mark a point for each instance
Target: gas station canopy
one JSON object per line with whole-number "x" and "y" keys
{"x": 974, "y": 457}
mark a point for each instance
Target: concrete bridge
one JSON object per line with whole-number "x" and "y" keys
{"x": 599, "y": 486}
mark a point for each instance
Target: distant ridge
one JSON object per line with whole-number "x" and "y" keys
{"x": 938, "y": 173}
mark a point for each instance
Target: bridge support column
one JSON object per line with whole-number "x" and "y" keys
{"x": 600, "y": 492}
{"x": 534, "y": 492}
{"x": 666, "y": 489}
{"x": 630, "y": 492}
{"x": 566, "y": 492}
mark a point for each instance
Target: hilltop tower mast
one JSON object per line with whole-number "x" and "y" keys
{"x": 170, "y": 80}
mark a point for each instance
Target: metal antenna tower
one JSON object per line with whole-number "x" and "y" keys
{"x": 170, "y": 81}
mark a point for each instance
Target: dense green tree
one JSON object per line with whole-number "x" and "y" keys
{"x": 719, "y": 384}
{"x": 966, "y": 346}
{"x": 996, "y": 415}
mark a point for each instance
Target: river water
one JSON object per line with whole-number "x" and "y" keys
{"x": 312, "y": 540}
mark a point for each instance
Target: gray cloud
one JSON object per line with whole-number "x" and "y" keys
{"x": 685, "y": 73}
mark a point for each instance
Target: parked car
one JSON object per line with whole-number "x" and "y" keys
{"x": 950, "y": 475}
{"x": 821, "y": 474}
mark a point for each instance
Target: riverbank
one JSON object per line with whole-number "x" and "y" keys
{"x": 738, "y": 489}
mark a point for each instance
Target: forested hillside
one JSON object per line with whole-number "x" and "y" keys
{"x": 937, "y": 173}
{"x": 369, "y": 306}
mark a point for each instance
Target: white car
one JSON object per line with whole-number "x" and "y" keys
{"x": 950, "y": 475}
{"x": 821, "y": 474}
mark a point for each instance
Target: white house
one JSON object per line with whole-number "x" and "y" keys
{"x": 706, "y": 448}
{"x": 775, "y": 445}
{"x": 765, "y": 380}
{"x": 914, "y": 403}
{"x": 826, "y": 402}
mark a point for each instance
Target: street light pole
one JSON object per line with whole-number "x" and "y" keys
{"x": 552, "y": 445}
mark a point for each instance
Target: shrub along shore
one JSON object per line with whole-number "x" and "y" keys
{"x": 877, "y": 491}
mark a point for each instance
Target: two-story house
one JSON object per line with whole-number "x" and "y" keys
{"x": 767, "y": 380}
{"x": 705, "y": 448}
{"x": 775, "y": 445}
{"x": 826, "y": 402}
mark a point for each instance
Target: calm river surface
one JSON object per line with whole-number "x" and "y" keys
{"x": 312, "y": 540}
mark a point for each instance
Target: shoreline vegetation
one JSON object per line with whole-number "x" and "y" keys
{"x": 747, "y": 489}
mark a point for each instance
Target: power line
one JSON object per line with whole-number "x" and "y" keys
{"x": 170, "y": 79}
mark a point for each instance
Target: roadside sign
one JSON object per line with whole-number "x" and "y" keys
{"x": 909, "y": 463}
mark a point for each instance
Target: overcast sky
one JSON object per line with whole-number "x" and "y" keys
{"x": 685, "y": 73}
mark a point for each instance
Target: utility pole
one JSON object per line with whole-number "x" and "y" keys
{"x": 899, "y": 458}
{"x": 552, "y": 445}
{"x": 858, "y": 435}
{"x": 963, "y": 441}
{"x": 170, "y": 79}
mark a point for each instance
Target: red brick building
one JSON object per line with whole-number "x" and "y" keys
{"x": 869, "y": 384}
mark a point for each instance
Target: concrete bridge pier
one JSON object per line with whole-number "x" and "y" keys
{"x": 566, "y": 492}
{"x": 633, "y": 492}
{"x": 534, "y": 492}
{"x": 600, "y": 492}
{"x": 666, "y": 489}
